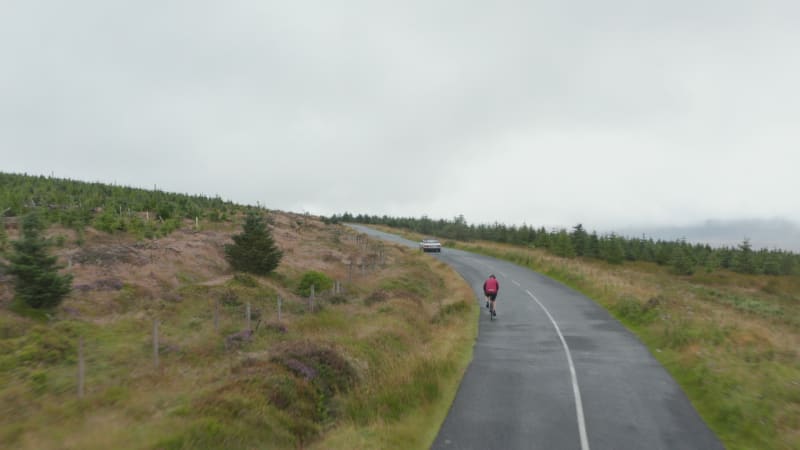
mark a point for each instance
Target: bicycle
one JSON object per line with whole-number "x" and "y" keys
{"x": 491, "y": 307}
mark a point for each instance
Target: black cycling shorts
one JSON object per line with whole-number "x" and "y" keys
{"x": 491, "y": 295}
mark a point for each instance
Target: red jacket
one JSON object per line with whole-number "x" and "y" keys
{"x": 491, "y": 286}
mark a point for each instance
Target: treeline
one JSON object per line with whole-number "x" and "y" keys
{"x": 682, "y": 257}
{"x": 77, "y": 204}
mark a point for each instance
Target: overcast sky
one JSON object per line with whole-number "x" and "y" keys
{"x": 610, "y": 113}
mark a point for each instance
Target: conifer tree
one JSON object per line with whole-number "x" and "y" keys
{"x": 788, "y": 263}
{"x": 682, "y": 262}
{"x": 254, "y": 249}
{"x": 725, "y": 258}
{"x": 711, "y": 262}
{"x": 37, "y": 282}
{"x": 772, "y": 263}
{"x": 662, "y": 253}
{"x": 561, "y": 245}
{"x": 593, "y": 247}
{"x": 3, "y": 236}
{"x": 744, "y": 260}
{"x": 580, "y": 239}
{"x": 611, "y": 249}
{"x": 542, "y": 239}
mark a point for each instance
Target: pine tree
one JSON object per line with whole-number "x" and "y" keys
{"x": 725, "y": 257}
{"x": 712, "y": 262}
{"x": 593, "y": 247}
{"x": 663, "y": 252}
{"x": 682, "y": 262}
{"x": 611, "y": 249}
{"x": 3, "y": 236}
{"x": 542, "y": 239}
{"x": 37, "y": 282}
{"x": 561, "y": 245}
{"x": 789, "y": 262}
{"x": 253, "y": 250}
{"x": 580, "y": 239}
{"x": 744, "y": 261}
{"x": 772, "y": 263}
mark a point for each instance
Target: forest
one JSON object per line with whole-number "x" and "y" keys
{"x": 110, "y": 208}
{"x": 682, "y": 257}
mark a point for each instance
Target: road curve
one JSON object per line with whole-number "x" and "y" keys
{"x": 556, "y": 371}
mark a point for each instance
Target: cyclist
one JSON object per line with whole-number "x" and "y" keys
{"x": 490, "y": 289}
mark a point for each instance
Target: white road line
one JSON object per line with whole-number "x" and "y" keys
{"x": 515, "y": 282}
{"x": 504, "y": 275}
{"x": 575, "y": 389}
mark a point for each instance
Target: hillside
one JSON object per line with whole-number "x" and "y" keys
{"x": 373, "y": 365}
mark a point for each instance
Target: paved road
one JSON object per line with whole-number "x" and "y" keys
{"x": 556, "y": 371}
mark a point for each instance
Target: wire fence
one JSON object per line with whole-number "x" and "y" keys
{"x": 227, "y": 312}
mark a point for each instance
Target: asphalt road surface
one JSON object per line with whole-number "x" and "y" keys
{"x": 556, "y": 371}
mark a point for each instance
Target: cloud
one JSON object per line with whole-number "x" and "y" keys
{"x": 609, "y": 113}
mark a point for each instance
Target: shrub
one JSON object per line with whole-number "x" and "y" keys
{"x": 319, "y": 280}
{"x": 318, "y": 363}
{"x": 338, "y": 300}
{"x": 631, "y": 310}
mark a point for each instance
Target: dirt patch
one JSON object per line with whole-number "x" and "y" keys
{"x": 105, "y": 255}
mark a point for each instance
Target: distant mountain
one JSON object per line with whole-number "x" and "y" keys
{"x": 770, "y": 234}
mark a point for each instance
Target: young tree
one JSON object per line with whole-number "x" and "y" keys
{"x": 3, "y": 235}
{"x": 593, "y": 246}
{"x": 772, "y": 263}
{"x": 682, "y": 262}
{"x": 580, "y": 239}
{"x": 744, "y": 261}
{"x": 611, "y": 249}
{"x": 662, "y": 253}
{"x": 542, "y": 239}
{"x": 253, "y": 250}
{"x": 561, "y": 245}
{"x": 36, "y": 279}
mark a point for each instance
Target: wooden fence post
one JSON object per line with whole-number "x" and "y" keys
{"x": 216, "y": 315}
{"x": 155, "y": 343}
{"x": 279, "y": 308}
{"x": 81, "y": 367}
{"x": 311, "y": 298}
{"x": 248, "y": 315}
